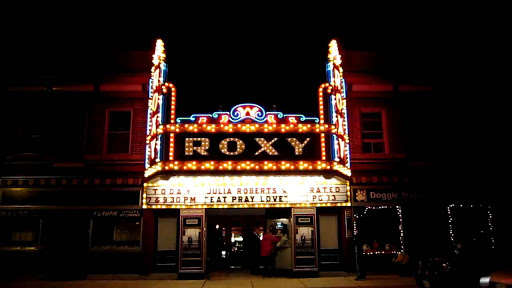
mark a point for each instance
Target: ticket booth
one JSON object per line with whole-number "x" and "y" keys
{"x": 305, "y": 256}
{"x": 192, "y": 244}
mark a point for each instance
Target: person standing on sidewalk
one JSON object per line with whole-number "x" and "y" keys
{"x": 253, "y": 250}
{"x": 360, "y": 258}
{"x": 268, "y": 250}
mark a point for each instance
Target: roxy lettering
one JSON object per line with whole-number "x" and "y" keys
{"x": 201, "y": 146}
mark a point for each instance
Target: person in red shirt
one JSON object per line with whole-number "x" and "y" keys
{"x": 268, "y": 250}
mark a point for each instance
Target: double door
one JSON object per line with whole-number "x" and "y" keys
{"x": 226, "y": 240}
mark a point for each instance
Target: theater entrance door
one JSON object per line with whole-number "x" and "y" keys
{"x": 226, "y": 229}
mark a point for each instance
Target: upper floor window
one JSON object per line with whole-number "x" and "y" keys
{"x": 118, "y": 131}
{"x": 372, "y": 132}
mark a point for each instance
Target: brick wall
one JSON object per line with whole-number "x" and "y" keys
{"x": 139, "y": 131}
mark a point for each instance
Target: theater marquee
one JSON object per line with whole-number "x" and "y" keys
{"x": 246, "y": 191}
{"x": 246, "y": 140}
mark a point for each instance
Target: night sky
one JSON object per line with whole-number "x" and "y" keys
{"x": 270, "y": 57}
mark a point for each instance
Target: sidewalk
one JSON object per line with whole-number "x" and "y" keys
{"x": 246, "y": 281}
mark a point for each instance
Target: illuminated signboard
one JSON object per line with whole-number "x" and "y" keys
{"x": 158, "y": 103}
{"x": 245, "y": 191}
{"x": 338, "y": 106}
{"x": 250, "y": 146}
{"x": 247, "y": 138}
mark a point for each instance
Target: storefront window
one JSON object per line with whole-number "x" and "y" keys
{"x": 380, "y": 229}
{"x": 20, "y": 232}
{"x": 471, "y": 227}
{"x": 108, "y": 233}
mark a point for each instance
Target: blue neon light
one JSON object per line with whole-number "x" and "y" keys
{"x": 235, "y": 115}
{"x": 192, "y": 118}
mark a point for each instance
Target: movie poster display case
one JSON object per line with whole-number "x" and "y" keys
{"x": 192, "y": 242}
{"x": 305, "y": 252}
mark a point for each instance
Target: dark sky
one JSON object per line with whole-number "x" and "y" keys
{"x": 268, "y": 55}
{"x": 257, "y": 44}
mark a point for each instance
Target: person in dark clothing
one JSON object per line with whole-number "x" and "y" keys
{"x": 253, "y": 248}
{"x": 360, "y": 258}
{"x": 303, "y": 240}
{"x": 189, "y": 241}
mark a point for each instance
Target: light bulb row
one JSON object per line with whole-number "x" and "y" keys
{"x": 161, "y": 206}
{"x": 247, "y": 166}
{"x": 252, "y": 127}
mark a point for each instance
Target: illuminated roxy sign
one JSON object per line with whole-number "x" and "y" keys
{"x": 156, "y": 106}
{"x": 247, "y": 137}
{"x": 338, "y": 106}
{"x": 253, "y": 146}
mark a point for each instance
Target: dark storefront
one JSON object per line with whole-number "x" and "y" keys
{"x": 49, "y": 233}
{"x": 379, "y": 203}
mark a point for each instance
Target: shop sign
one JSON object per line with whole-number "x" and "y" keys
{"x": 379, "y": 195}
{"x": 286, "y": 194}
{"x": 116, "y": 213}
{"x": 18, "y": 213}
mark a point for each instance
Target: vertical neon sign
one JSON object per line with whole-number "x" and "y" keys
{"x": 156, "y": 106}
{"x": 338, "y": 106}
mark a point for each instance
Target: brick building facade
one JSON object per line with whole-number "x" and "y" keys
{"x": 73, "y": 168}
